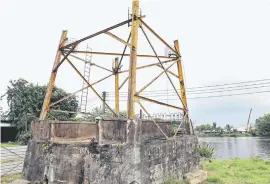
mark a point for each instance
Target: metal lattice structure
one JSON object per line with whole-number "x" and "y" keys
{"x": 136, "y": 23}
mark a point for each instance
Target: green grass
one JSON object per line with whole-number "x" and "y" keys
{"x": 11, "y": 160}
{"x": 9, "y": 178}
{"x": 238, "y": 171}
{"x": 9, "y": 144}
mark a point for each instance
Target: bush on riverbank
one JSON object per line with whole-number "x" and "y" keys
{"x": 206, "y": 151}
{"x": 244, "y": 171}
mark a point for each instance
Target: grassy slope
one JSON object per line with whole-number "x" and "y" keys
{"x": 238, "y": 171}
{"x": 10, "y": 178}
{"x": 10, "y": 144}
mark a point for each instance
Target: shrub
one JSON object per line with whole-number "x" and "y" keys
{"x": 206, "y": 151}
{"x": 23, "y": 137}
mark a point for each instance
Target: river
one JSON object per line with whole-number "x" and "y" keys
{"x": 241, "y": 147}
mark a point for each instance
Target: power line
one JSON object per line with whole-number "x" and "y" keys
{"x": 212, "y": 86}
{"x": 192, "y": 93}
{"x": 221, "y": 91}
{"x": 225, "y": 95}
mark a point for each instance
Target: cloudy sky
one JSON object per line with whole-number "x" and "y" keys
{"x": 222, "y": 41}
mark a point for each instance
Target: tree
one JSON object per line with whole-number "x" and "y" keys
{"x": 263, "y": 125}
{"x": 214, "y": 126}
{"x": 95, "y": 112}
{"x": 202, "y": 128}
{"x": 25, "y": 102}
{"x": 228, "y": 128}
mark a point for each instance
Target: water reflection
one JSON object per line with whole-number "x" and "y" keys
{"x": 241, "y": 147}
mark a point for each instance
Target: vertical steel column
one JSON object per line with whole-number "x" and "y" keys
{"x": 182, "y": 85}
{"x": 116, "y": 75}
{"x": 47, "y": 98}
{"x": 133, "y": 61}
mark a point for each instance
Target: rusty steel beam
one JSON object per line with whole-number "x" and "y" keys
{"x": 123, "y": 82}
{"x": 96, "y": 34}
{"x": 157, "y": 102}
{"x": 170, "y": 72}
{"x": 133, "y": 61}
{"x": 116, "y": 87}
{"x": 68, "y": 96}
{"x": 154, "y": 121}
{"x": 117, "y": 38}
{"x": 92, "y": 64}
{"x": 181, "y": 78}
{"x": 154, "y": 33}
{"x": 72, "y": 94}
{"x": 182, "y": 87}
{"x": 79, "y": 73}
{"x": 146, "y": 66}
{"x": 161, "y": 64}
{"x": 143, "y": 88}
{"x": 124, "y": 51}
{"x": 119, "y": 54}
{"x": 47, "y": 98}
{"x": 63, "y": 59}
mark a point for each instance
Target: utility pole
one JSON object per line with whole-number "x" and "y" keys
{"x": 133, "y": 61}
{"x": 104, "y": 101}
{"x": 247, "y": 128}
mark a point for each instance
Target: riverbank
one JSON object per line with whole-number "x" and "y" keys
{"x": 234, "y": 171}
{"x": 228, "y": 135}
{"x": 242, "y": 171}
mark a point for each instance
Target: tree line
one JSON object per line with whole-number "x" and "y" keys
{"x": 261, "y": 127}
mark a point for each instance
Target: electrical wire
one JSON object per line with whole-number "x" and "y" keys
{"x": 225, "y": 95}
{"x": 213, "y": 86}
{"x": 220, "y": 91}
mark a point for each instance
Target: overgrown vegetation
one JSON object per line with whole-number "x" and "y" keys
{"x": 263, "y": 125}
{"x": 9, "y": 144}
{"x": 11, "y": 160}
{"x": 206, "y": 151}
{"x": 25, "y": 102}
{"x": 240, "y": 171}
{"x": 23, "y": 137}
{"x": 9, "y": 178}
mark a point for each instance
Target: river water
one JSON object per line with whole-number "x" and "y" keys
{"x": 241, "y": 147}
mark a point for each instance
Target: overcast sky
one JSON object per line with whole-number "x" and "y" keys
{"x": 222, "y": 41}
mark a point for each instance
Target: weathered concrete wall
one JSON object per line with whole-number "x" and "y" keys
{"x": 74, "y": 130}
{"x": 112, "y": 130}
{"x": 144, "y": 161}
{"x": 41, "y": 130}
{"x": 150, "y": 130}
{"x": 45, "y": 130}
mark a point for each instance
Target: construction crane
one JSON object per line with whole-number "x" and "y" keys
{"x": 247, "y": 128}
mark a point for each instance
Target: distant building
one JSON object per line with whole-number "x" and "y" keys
{"x": 241, "y": 129}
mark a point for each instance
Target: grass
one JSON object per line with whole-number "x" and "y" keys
{"x": 9, "y": 144}
{"x": 9, "y": 178}
{"x": 238, "y": 171}
{"x": 11, "y": 160}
